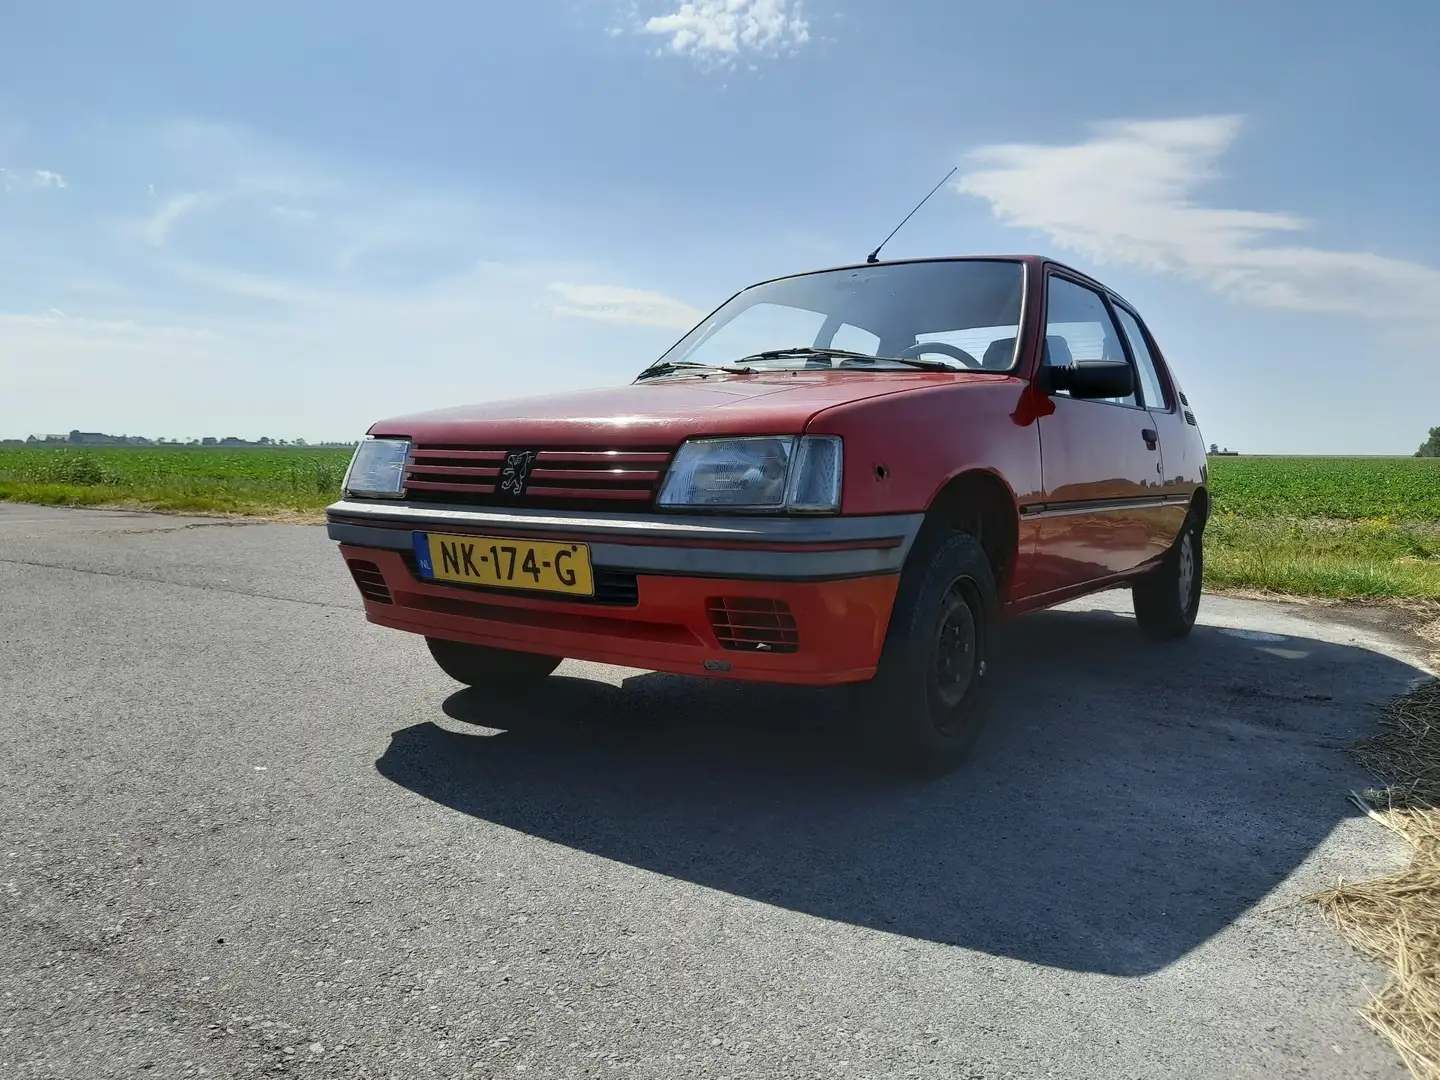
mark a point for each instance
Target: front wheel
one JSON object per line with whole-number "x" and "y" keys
{"x": 1167, "y": 599}
{"x": 927, "y": 703}
{"x": 490, "y": 669}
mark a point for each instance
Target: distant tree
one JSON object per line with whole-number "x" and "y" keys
{"x": 1214, "y": 448}
{"x": 1431, "y": 446}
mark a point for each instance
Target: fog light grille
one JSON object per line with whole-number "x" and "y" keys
{"x": 751, "y": 624}
{"x": 370, "y": 581}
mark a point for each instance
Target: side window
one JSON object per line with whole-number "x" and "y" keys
{"x": 1078, "y": 327}
{"x": 1149, "y": 376}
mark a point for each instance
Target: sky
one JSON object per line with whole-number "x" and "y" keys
{"x": 281, "y": 219}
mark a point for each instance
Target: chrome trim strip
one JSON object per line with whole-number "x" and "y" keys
{"x": 1100, "y": 506}
{"x": 754, "y": 565}
{"x": 689, "y": 561}
{"x": 366, "y": 536}
{"x": 648, "y": 527}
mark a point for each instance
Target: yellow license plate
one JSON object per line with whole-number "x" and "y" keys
{"x": 504, "y": 562}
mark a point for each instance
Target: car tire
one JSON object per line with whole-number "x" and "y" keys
{"x": 927, "y": 702}
{"x": 1167, "y": 599}
{"x": 490, "y": 669}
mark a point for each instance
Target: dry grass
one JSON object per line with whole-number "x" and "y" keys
{"x": 1396, "y": 920}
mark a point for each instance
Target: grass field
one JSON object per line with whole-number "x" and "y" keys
{"x": 1354, "y": 528}
{"x": 196, "y": 479}
{"x": 1358, "y": 528}
{"x": 1342, "y": 489}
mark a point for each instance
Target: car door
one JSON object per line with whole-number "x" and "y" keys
{"x": 1181, "y": 451}
{"x": 1101, "y": 465}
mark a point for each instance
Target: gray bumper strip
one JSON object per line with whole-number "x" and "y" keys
{"x": 896, "y": 532}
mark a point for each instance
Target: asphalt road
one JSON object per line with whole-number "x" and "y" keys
{"x": 243, "y": 832}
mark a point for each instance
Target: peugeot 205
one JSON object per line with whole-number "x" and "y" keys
{"x": 848, "y": 476}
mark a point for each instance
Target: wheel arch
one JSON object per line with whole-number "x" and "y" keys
{"x": 981, "y": 503}
{"x": 1201, "y": 505}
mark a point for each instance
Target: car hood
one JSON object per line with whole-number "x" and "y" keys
{"x": 663, "y": 412}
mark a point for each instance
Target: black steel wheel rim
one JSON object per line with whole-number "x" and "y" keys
{"x": 956, "y": 654}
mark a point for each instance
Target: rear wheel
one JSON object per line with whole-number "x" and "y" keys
{"x": 1167, "y": 599}
{"x": 927, "y": 703}
{"x": 490, "y": 669}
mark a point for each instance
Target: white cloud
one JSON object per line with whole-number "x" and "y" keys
{"x": 721, "y": 30}
{"x": 156, "y": 228}
{"x": 295, "y": 215}
{"x": 377, "y": 306}
{"x": 318, "y": 360}
{"x": 629, "y": 307}
{"x": 1129, "y": 196}
{"x": 30, "y": 180}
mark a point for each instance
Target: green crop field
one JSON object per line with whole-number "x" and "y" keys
{"x": 1349, "y": 489}
{"x": 198, "y": 479}
{"x": 1339, "y": 527}
{"x": 1354, "y": 528}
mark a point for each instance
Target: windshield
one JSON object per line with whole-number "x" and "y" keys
{"x": 959, "y": 314}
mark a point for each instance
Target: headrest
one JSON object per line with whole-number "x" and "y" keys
{"x": 1057, "y": 351}
{"x": 1000, "y": 355}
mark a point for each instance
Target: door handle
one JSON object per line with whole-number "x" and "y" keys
{"x": 1151, "y": 437}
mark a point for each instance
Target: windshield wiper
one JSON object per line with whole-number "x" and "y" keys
{"x": 846, "y": 354}
{"x": 798, "y": 351}
{"x": 670, "y": 367}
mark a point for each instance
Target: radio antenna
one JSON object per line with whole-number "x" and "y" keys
{"x": 875, "y": 255}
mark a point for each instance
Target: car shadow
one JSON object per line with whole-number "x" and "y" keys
{"x": 1127, "y": 801}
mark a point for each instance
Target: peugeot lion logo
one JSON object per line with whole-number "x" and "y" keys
{"x": 516, "y": 473}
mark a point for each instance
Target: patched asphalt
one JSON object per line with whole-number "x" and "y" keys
{"x": 243, "y": 832}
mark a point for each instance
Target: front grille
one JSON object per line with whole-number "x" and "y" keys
{"x": 370, "y": 581}
{"x": 613, "y": 588}
{"x": 563, "y": 479}
{"x": 753, "y": 625}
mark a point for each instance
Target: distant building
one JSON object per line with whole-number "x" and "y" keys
{"x": 93, "y": 438}
{"x": 99, "y": 438}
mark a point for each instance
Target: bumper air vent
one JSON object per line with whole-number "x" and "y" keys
{"x": 370, "y": 581}
{"x": 617, "y": 588}
{"x": 753, "y": 625}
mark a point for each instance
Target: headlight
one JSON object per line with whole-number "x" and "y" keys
{"x": 763, "y": 473}
{"x": 378, "y": 469}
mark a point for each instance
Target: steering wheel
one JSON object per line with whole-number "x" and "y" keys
{"x": 920, "y": 348}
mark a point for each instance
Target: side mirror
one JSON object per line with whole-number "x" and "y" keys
{"x": 1093, "y": 379}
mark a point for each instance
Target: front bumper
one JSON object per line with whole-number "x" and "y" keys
{"x": 834, "y": 577}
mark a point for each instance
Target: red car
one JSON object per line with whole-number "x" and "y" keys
{"x": 845, "y": 476}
